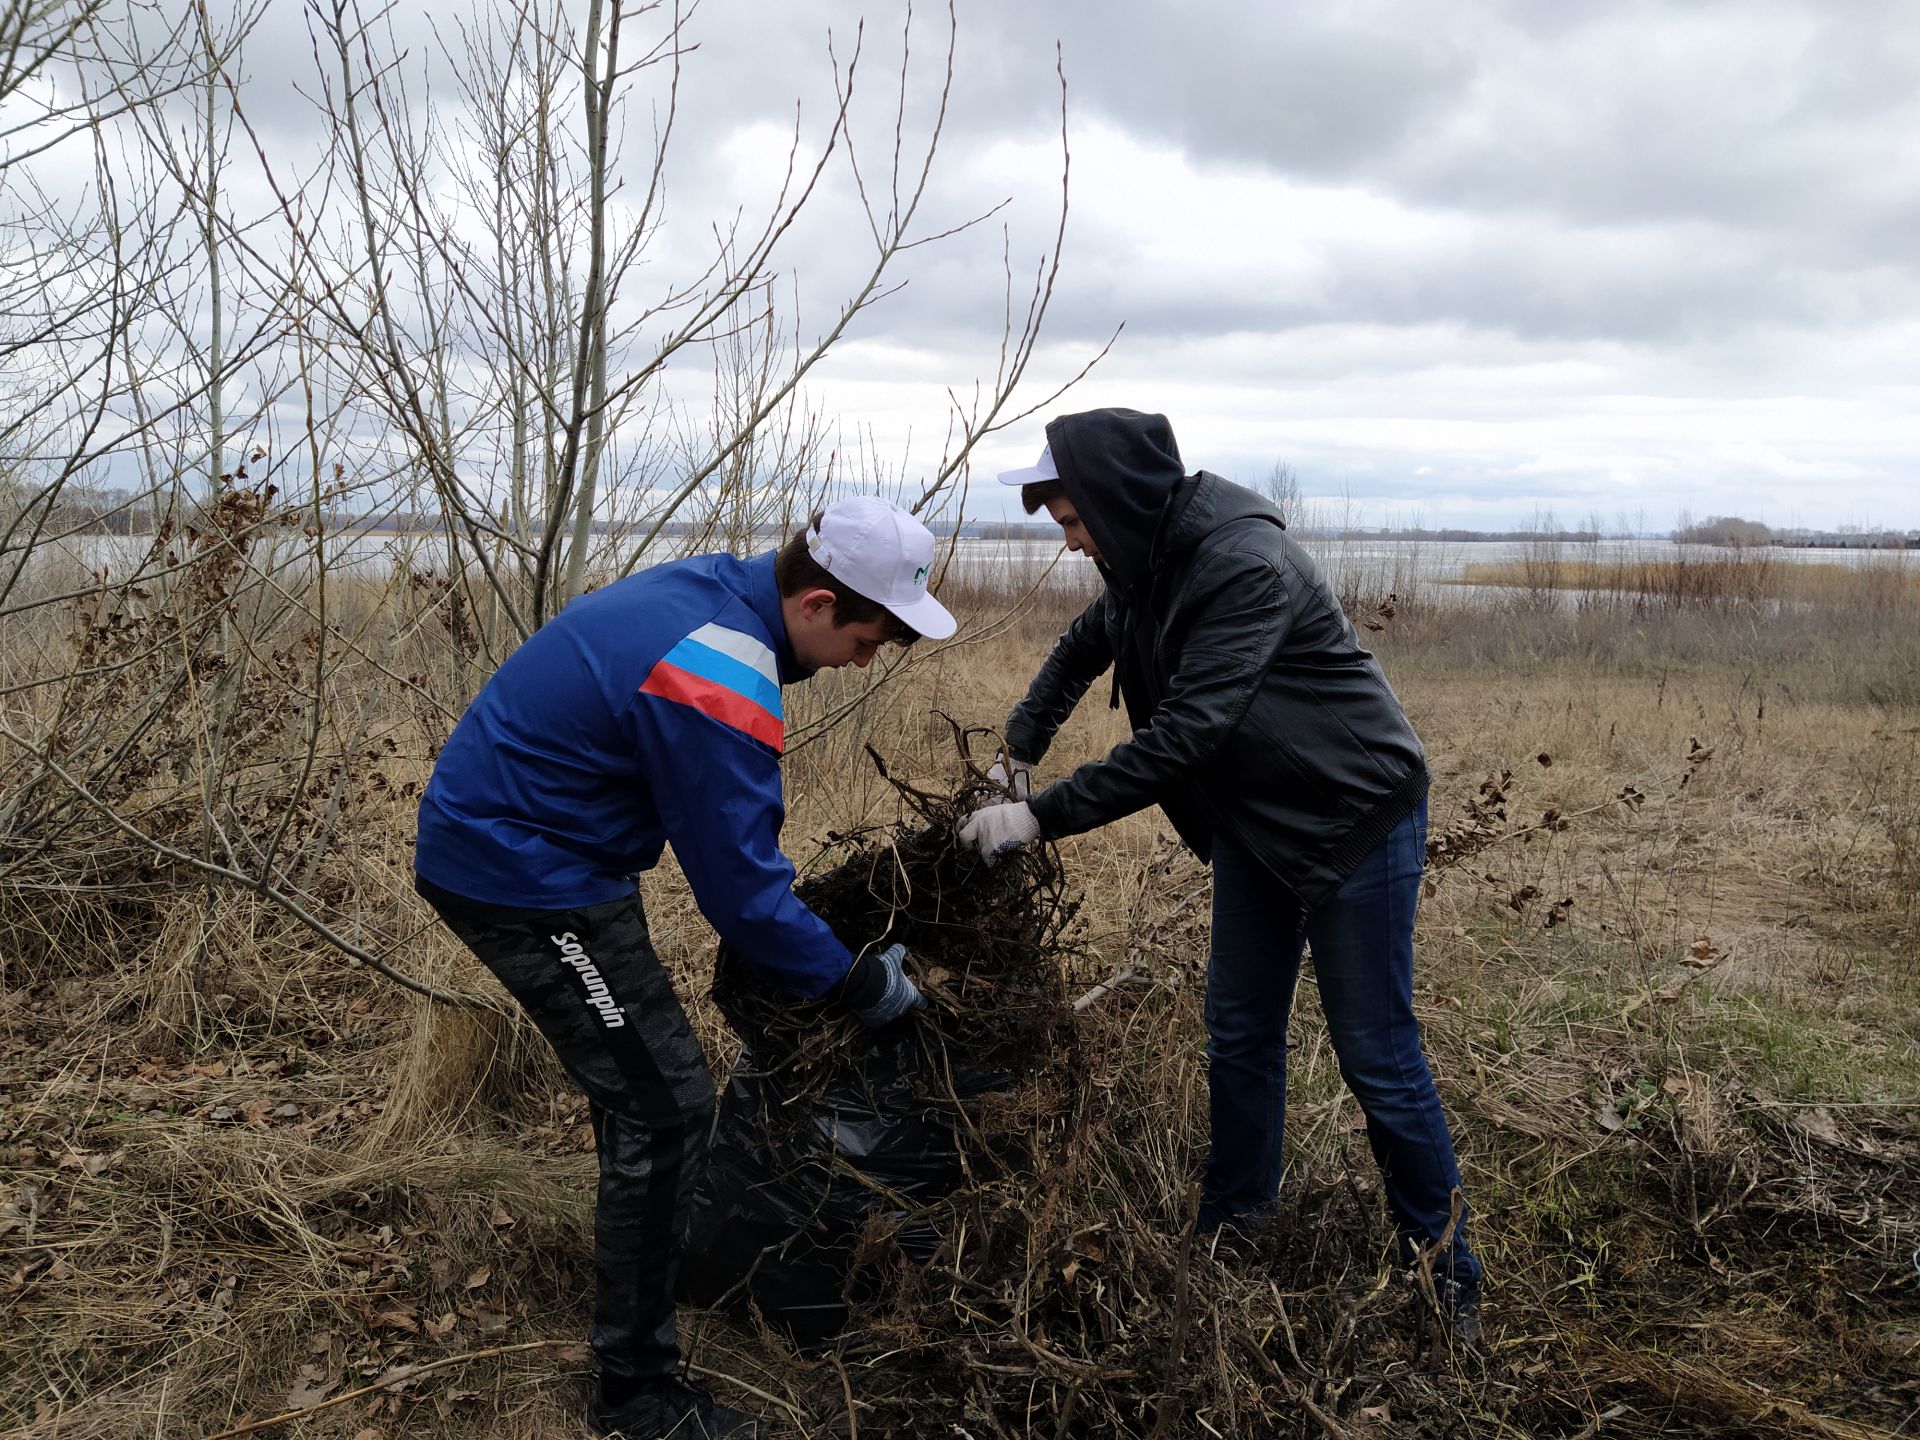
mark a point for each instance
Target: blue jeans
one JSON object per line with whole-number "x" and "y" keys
{"x": 1362, "y": 939}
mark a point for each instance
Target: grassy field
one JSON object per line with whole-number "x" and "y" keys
{"x": 1669, "y": 961}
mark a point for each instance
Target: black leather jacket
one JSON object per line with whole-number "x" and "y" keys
{"x": 1256, "y": 714}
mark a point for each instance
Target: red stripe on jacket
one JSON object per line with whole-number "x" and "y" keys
{"x": 729, "y": 707}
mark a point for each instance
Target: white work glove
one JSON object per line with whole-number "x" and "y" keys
{"x": 994, "y": 830}
{"x": 898, "y": 994}
{"x": 1011, "y": 774}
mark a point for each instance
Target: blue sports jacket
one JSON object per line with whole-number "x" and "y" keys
{"x": 644, "y": 713}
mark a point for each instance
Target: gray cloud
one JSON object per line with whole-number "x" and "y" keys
{"x": 1634, "y": 172}
{"x": 1500, "y": 255}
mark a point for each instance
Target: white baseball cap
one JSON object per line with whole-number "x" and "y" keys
{"x": 878, "y": 550}
{"x": 1042, "y": 469}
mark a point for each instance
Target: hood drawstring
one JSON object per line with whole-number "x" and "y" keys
{"x": 1129, "y": 639}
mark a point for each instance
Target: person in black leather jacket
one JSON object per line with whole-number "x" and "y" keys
{"x": 1278, "y": 751}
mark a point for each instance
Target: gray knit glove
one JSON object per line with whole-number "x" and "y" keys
{"x": 897, "y": 992}
{"x": 995, "y": 830}
{"x": 1014, "y": 775}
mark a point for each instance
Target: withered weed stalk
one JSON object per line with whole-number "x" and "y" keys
{"x": 1667, "y": 975}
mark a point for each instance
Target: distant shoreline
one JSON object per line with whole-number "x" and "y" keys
{"x": 1037, "y": 533}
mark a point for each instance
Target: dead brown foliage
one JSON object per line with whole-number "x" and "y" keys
{"x": 1670, "y": 1002}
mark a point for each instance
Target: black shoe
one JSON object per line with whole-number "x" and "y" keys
{"x": 1460, "y": 1308}
{"x": 671, "y": 1408}
{"x": 1245, "y": 1237}
{"x": 1242, "y": 1243}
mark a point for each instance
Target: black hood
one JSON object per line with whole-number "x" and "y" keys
{"x": 1119, "y": 468}
{"x": 1204, "y": 504}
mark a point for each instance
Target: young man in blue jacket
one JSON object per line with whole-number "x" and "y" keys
{"x": 1276, "y": 748}
{"x": 644, "y": 714}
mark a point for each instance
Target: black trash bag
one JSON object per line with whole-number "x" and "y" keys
{"x": 793, "y": 1182}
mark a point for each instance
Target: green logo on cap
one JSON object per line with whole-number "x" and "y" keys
{"x": 920, "y": 574}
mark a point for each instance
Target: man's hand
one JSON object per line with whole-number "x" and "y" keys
{"x": 994, "y": 830}
{"x": 879, "y": 988}
{"x": 1013, "y": 775}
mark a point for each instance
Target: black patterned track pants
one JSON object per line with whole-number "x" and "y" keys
{"x": 592, "y": 983}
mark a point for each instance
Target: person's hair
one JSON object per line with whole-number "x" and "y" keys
{"x": 795, "y": 571}
{"x": 1038, "y": 493}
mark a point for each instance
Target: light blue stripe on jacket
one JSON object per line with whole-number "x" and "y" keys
{"x": 709, "y": 664}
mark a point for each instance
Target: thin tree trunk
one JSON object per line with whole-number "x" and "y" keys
{"x": 590, "y": 363}
{"x": 216, "y": 417}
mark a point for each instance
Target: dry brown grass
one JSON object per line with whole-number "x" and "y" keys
{"x": 1879, "y": 584}
{"x": 1677, "y": 1036}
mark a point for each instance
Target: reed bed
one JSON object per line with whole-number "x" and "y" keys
{"x": 1883, "y": 585}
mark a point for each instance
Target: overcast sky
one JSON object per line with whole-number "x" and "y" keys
{"x": 1456, "y": 266}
